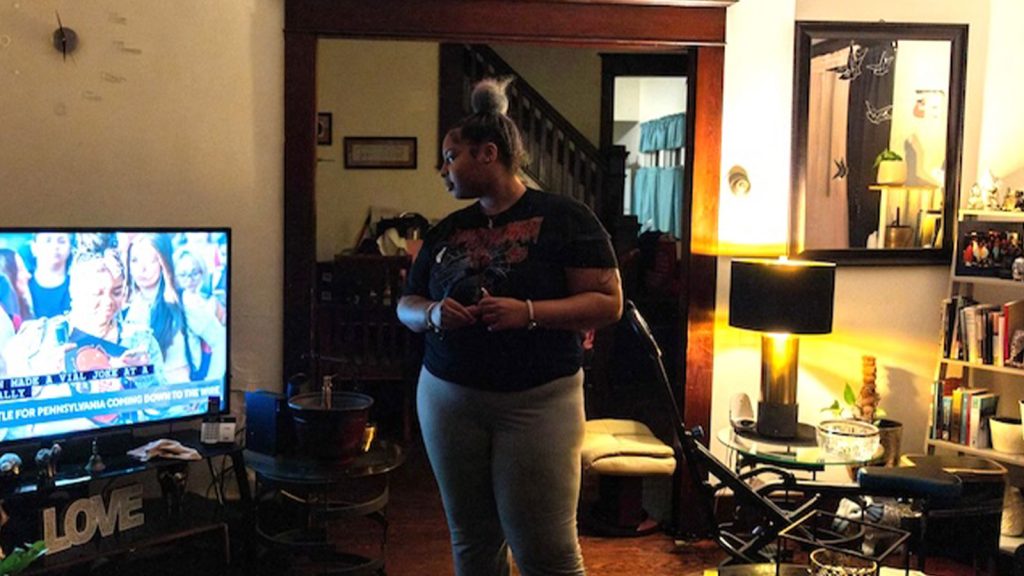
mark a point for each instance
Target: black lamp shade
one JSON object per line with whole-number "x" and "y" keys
{"x": 787, "y": 296}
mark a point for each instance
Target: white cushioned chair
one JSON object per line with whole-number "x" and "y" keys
{"x": 623, "y": 453}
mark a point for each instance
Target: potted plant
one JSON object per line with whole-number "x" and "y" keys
{"x": 20, "y": 558}
{"x": 891, "y": 167}
{"x": 863, "y": 406}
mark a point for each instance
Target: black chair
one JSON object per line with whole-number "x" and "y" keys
{"x": 937, "y": 482}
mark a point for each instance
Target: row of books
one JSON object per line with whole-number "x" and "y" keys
{"x": 961, "y": 414}
{"x": 982, "y": 333}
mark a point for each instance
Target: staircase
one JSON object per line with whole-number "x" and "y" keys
{"x": 561, "y": 159}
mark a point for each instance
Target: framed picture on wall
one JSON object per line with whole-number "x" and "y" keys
{"x": 323, "y": 129}
{"x": 380, "y": 152}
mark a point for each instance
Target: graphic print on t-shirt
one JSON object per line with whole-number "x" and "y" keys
{"x": 482, "y": 258}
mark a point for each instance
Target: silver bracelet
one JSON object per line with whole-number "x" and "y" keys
{"x": 532, "y": 323}
{"x": 430, "y": 323}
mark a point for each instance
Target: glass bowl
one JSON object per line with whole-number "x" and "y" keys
{"x": 852, "y": 440}
{"x": 834, "y": 563}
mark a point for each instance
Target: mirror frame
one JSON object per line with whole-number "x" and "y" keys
{"x": 956, "y": 34}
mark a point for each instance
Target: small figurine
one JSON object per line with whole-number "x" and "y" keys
{"x": 46, "y": 461}
{"x": 975, "y": 201}
{"x": 867, "y": 399}
{"x": 10, "y": 465}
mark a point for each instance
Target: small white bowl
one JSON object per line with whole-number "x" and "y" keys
{"x": 853, "y": 440}
{"x": 1007, "y": 435}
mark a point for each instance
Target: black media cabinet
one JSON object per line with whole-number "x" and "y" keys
{"x": 172, "y": 520}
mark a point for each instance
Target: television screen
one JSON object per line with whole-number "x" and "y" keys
{"x": 105, "y": 328}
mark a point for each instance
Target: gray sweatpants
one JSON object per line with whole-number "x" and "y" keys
{"x": 508, "y": 466}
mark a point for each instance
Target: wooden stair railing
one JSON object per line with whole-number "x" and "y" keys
{"x": 561, "y": 159}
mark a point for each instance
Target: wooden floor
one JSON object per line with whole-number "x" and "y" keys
{"x": 418, "y": 544}
{"x": 418, "y": 537}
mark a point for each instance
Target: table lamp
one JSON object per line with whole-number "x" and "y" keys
{"x": 781, "y": 299}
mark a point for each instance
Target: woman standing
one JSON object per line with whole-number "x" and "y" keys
{"x": 504, "y": 288}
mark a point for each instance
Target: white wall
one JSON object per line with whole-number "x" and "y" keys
{"x": 186, "y": 129}
{"x": 891, "y": 313}
{"x": 1002, "y": 125}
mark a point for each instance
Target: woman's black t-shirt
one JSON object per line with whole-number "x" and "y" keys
{"x": 520, "y": 253}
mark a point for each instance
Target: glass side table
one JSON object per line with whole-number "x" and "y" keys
{"x": 800, "y": 453}
{"x": 301, "y": 504}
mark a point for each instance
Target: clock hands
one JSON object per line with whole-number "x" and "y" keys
{"x": 64, "y": 39}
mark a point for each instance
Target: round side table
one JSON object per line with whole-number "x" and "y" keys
{"x": 301, "y": 504}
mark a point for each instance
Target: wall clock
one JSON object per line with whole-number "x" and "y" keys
{"x": 84, "y": 47}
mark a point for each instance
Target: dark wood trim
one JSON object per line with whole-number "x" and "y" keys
{"x": 592, "y": 23}
{"x": 299, "y": 200}
{"x": 612, "y": 65}
{"x": 615, "y": 26}
{"x": 451, "y": 92}
{"x": 700, "y": 263}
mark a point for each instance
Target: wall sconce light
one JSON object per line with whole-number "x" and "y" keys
{"x": 739, "y": 183}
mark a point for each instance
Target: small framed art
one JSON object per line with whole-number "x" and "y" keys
{"x": 380, "y": 152}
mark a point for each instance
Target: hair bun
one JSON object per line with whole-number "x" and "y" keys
{"x": 489, "y": 96}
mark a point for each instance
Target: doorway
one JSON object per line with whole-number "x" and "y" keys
{"x": 642, "y": 97}
{"x": 697, "y": 26}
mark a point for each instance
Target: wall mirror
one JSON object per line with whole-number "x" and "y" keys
{"x": 877, "y": 136}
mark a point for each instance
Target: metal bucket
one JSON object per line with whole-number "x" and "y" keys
{"x": 334, "y": 432}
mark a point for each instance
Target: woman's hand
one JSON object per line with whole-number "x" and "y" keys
{"x": 449, "y": 314}
{"x": 503, "y": 313}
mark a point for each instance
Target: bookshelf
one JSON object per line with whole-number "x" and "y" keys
{"x": 1007, "y": 381}
{"x": 984, "y": 367}
{"x": 986, "y": 286}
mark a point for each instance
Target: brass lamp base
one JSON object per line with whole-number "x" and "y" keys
{"x": 777, "y": 408}
{"x": 777, "y": 420}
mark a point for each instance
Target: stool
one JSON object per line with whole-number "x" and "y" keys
{"x": 623, "y": 453}
{"x": 963, "y": 498}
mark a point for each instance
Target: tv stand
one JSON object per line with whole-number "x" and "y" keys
{"x": 175, "y": 516}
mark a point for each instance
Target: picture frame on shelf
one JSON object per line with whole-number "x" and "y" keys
{"x": 375, "y": 152}
{"x": 988, "y": 249}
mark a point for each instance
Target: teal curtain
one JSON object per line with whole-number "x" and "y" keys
{"x": 669, "y": 200}
{"x": 658, "y": 199}
{"x": 645, "y": 187}
{"x": 657, "y": 196}
{"x": 665, "y": 133}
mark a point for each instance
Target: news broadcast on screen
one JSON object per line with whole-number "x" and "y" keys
{"x": 103, "y": 328}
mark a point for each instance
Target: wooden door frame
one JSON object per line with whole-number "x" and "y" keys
{"x": 696, "y": 25}
{"x": 618, "y": 64}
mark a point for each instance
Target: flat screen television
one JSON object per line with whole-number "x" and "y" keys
{"x": 104, "y": 328}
